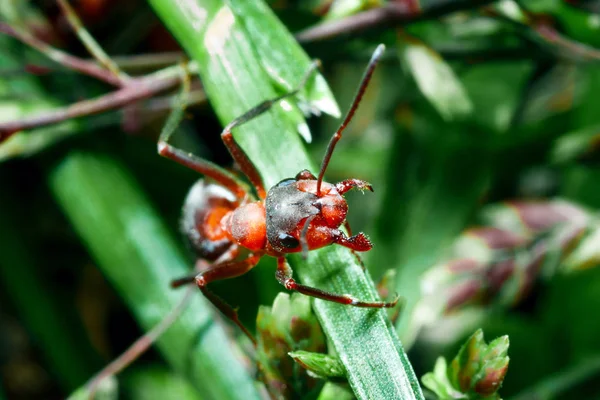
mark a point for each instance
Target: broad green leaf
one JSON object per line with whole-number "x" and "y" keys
{"x": 574, "y": 145}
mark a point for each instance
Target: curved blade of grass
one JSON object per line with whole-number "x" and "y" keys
{"x": 138, "y": 255}
{"x": 235, "y": 81}
{"x": 271, "y": 41}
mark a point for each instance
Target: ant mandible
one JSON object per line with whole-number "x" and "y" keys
{"x": 304, "y": 213}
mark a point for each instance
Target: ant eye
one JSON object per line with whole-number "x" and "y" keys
{"x": 286, "y": 182}
{"x": 288, "y": 241}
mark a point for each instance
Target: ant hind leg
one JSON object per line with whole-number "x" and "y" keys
{"x": 225, "y": 270}
{"x": 284, "y": 276}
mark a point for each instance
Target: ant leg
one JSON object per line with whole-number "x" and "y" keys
{"x": 216, "y": 272}
{"x": 358, "y": 242}
{"x": 207, "y": 168}
{"x": 323, "y": 236}
{"x": 344, "y": 186}
{"x": 236, "y": 151}
{"x": 226, "y": 179}
{"x": 284, "y": 276}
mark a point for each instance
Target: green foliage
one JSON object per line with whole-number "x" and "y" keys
{"x": 479, "y": 133}
{"x": 283, "y": 330}
{"x": 320, "y": 365}
{"x": 477, "y": 371}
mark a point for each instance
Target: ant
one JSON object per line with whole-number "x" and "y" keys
{"x": 232, "y": 229}
{"x": 297, "y": 214}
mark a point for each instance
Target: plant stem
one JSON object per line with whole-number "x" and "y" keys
{"x": 391, "y": 14}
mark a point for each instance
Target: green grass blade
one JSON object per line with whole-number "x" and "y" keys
{"x": 138, "y": 255}
{"x": 276, "y": 47}
{"x": 235, "y": 81}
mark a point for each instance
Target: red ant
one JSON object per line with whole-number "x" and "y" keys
{"x": 298, "y": 214}
{"x": 222, "y": 218}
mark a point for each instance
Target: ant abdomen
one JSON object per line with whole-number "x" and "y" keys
{"x": 204, "y": 207}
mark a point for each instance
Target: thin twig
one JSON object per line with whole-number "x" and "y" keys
{"x": 60, "y": 57}
{"x": 137, "y": 89}
{"x": 539, "y": 30}
{"x": 149, "y": 61}
{"x": 573, "y": 48}
{"x": 392, "y": 14}
{"x": 140, "y": 345}
{"x": 89, "y": 42}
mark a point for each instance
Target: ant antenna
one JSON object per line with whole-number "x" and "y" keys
{"x": 359, "y": 94}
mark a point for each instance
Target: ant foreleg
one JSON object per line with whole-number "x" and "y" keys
{"x": 236, "y": 151}
{"x": 284, "y": 276}
{"x": 189, "y": 160}
{"x": 216, "y": 272}
{"x": 205, "y": 167}
{"x": 358, "y": 242}
{"x": 344, "y": 186}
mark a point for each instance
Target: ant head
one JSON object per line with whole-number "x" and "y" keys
{"x": 301, "y": 212}
{"x": 293, "y": 203}
{"x": 330, "y": 203}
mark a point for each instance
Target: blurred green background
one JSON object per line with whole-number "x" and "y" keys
{"x": 474, "y": 104}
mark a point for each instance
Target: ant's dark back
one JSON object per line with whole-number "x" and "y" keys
{"x": 286, "y": 207}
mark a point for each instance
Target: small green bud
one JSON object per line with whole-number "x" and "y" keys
{"x": 477, "y": 371}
